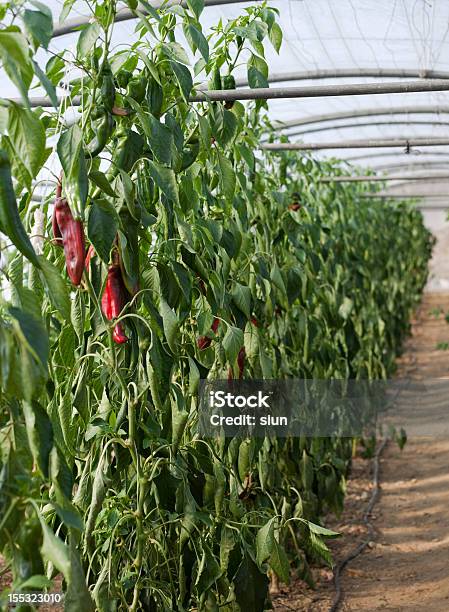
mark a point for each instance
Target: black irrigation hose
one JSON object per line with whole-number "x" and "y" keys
{"x": 361, "y": 547}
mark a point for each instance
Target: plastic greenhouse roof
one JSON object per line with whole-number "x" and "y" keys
{"x": 349, "y": 36}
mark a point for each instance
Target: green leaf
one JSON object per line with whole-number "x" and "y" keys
{"x": 209, "y": 570}
{"x": 34, "y": 334}
{"x": 53, "y": 549}
{"x": 252, "y": 344}
{"x": 174, "y": 51}
{"x": 229, "y": 128}
{"x": 196, "y": 6}
{"x": 247, "y": 155}
{"x": 277, "y": 279}
{"x": 227, "y": 176}
{"x": 10, "y": 221}
{"x": 77, "y": 315}
{"x": 46, "y": 84}
{"x": 35, "y": 583}
{"x": 322, "y": 531}
{"x": 40, "y": 435}
{"x": 159, "y": 135}
{"x": 179, "y": 417}
{"x": 39, "y": 25}
{"x": 265, "y": 541}
{"x": 279, "y": 562}
{"x": 69, "y": 515}
{"x": 165, "y": 179}
{"x": 101, "y": 181}
{"x": 184, "y": 78}
{"x": 256, "y": 79}
{"x": 67, "y": 7}
{"x": 307, "y": 472}
{"x": 66, "y": 560}
{"x": 16, "y": 60}
{"x": 57, "y": 287}
{"x": 67, "y": 346}
{"x": 251, "y": 586}
{"x": 71, "y": 155}
{"x": 194, "y": 376}
{"x": 27, "y": 137}
{"x": 276, "y": 36}
{"x": 102, "y": 227}
{"x": 199, "y": 41}
{"x": 241, "y": 295}
{"x": 232, "y": 343}
{"x": 346, "y": 308}
{"x": 170, "y": 323}
{"x": 55, "y": 69}
{"x": 87, "y": 39}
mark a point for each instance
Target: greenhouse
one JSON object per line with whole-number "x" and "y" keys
{"x": 224, "y": 305}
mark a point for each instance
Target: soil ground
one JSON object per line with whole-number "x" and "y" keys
{"x": 406, "y": 566}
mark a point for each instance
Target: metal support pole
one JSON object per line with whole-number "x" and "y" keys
{"x": 71, "y": 25}
{"x": 383, "y": 154}
{"x": 391, "y": 122}
{"x": 355, "y": 144}
{"x": 309, "y": 75}
{"x": 405, "y": 166}
{"x": 406, "y": 196}
{"x": 388, "y": 177}
{"x": 364, "y": 112}
{"x": 316, "y": 91}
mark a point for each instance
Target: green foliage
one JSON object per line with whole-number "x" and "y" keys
{"x": 102, "y": 474}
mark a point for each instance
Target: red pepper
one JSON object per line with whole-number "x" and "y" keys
{"x": 113, "y": 300}
{"x": 294, "y": 206}
{"x": 204, "y": 342}
{"x": 254, "y": 321}
{"x": 90, "y": 253}
{"x": 241, "y": 361}
{"x": 70, "y": 233}
{"x": 56, "y": 231}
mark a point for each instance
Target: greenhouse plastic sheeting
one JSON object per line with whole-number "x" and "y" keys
{"x": 342, "y": 35}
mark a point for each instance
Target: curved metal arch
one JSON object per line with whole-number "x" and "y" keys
{"x": 71, "y": 25}
{"x": 368, "y": 143}
{"x": 392, "y": 154}
{"x": 325, "y": 128}
{"x": 365, "y": 112}
{"x": 341, "y": 73}
{"x": 400, "y": 179}
{"x": 408, "y": 166}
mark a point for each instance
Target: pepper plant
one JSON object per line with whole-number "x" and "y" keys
{"x": 186, "y": 255}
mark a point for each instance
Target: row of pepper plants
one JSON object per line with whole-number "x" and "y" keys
{"x": 168, "y": 251}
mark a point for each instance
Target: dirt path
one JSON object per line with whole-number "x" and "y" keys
{"x": 406, "y": 567}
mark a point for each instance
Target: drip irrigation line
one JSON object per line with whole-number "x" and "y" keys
{"x": 366, "y": 520}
